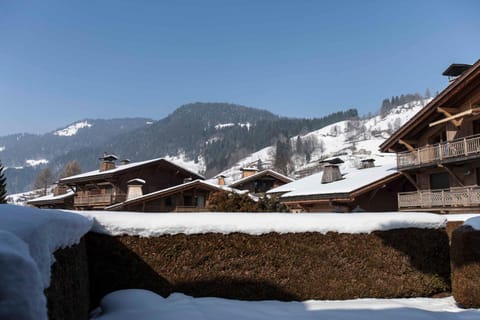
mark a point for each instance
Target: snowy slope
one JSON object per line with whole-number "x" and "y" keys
{"x": 72, "y": 129}
{"x": 352, "y": 141}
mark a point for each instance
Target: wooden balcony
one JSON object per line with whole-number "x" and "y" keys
{"x": 455, "y": 198}
{"x": 101, "y": 200}
{"x": 460, "y": 149}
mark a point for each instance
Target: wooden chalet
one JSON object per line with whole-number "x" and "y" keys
{"x": 188, "y": 197}
{"x": 438, "y": 149}
{"x": 258, "y": 182}
{"x": 368, "y": 188}
{"x": 113, "y": 183}
{"x": 61, "y": 198}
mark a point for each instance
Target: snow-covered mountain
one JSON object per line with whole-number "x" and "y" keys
{"x": 350, "y": 140}
{"x": 204, "y": 137}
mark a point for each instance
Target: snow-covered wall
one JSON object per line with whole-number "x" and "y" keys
{"x": 28, "y": 240}
{"x": 157, "y": 224}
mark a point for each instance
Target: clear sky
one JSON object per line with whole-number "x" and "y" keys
{"x": 62, "y": 61}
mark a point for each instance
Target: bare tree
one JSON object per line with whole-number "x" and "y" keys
{"x": 43, "y": 181}
{"x": 71, "y": 168}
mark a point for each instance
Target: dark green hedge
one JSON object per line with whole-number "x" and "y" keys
{"x": 300, "y": 266}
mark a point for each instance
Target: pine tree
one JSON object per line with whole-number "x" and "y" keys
{"x": 3, "y": 185}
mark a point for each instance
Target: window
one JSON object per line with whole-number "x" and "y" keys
{"x": 439, "y": 181}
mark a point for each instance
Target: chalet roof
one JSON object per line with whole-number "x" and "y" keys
{"x": 354, "y": 180}
{"x": 335, "y": 160}
{"x": 173, "y": 190}
{"x": 430, "y": 109}
{"x": 97, "y": 174}
{"x": 108, "y": 157}
{"x": 50, "y": 198}
{"x": 260, "y": 174}
{"x": 136, "y": 181}
{"x": 456, "y": 69}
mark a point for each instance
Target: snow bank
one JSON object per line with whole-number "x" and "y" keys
{"x": 156, "y": 224}
{"x": 43, "y": 231}
{"x": 460, "y": 216}
{"x": 473, "y": 222}
{"x": 21, "y": 289}
{"x": 142, "y": 304}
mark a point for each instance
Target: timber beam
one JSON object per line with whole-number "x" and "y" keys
{"x": 453, "y": 175}
{"x": 454, "y": 117}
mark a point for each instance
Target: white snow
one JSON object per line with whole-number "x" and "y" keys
{"x": 182, "y": 160}
{"x": 353, "y": 179}
{"x": 21, "y": 289}
{"x": 157, "y": 224}
{"x": 120, "y": 168}
{"x": 146, "y": 305}
{"x": 44, "y": 231}
{"x": 224, "y": 125}
{"x": 2, "y": 148}
{"x": 231, "y": 124}
{"x": 352, "y": 140}
{"x": 72, "y": 129}
{"x": 28, "y": 239}
{"x": 473, "y": 222}
{"x": 460, "y": 216}
{"x": 34, "y": 163}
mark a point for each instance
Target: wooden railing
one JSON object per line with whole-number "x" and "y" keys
{"x": 459, "y": 148}
{"x": 99, "y": 200}
{"x": 464, "y": 197}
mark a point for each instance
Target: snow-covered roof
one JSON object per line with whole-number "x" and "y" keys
{"x": 156, "y": 224}
{"x": 261, "y": 174}
{"x": 51, "y": 197}
{"x": 173, "y": 189}
{"x": 353, "y": 179}
{"x": 98, "y": 174}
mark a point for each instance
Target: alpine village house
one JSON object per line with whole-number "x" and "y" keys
{"x": 438, "y": 150}
{"x": 156, "y": 185}
{"x": 113, "y": 183}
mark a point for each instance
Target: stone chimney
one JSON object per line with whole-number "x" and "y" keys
{"x": 221, "y": 180}
{"x": 107, "y": 162}
{"x": 135, "y": 188}
{"x": 247, "y": 172}
{"x": 331, "y": 170}
{"x": 60, "y": 189}
{"x": 331, "y": 173}
{"x": 367, "y": 163}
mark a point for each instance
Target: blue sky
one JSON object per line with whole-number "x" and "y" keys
{"x": 62, "y": 61}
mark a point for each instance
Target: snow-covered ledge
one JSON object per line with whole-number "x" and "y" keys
{"x": 157, "y": 224}
{"x": 29, "y": 238}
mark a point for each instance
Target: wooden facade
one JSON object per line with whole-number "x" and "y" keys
{"x": 188, "y": 197}
{"x": 261, "y": 182}
{"x": 102, "y": 188}
{"x": 439, "y": 149}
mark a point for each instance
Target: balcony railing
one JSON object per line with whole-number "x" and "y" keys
{"x": 98, "y": 200}
{"x": 465, "y": 197}
{"x": 459, "y": 148}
